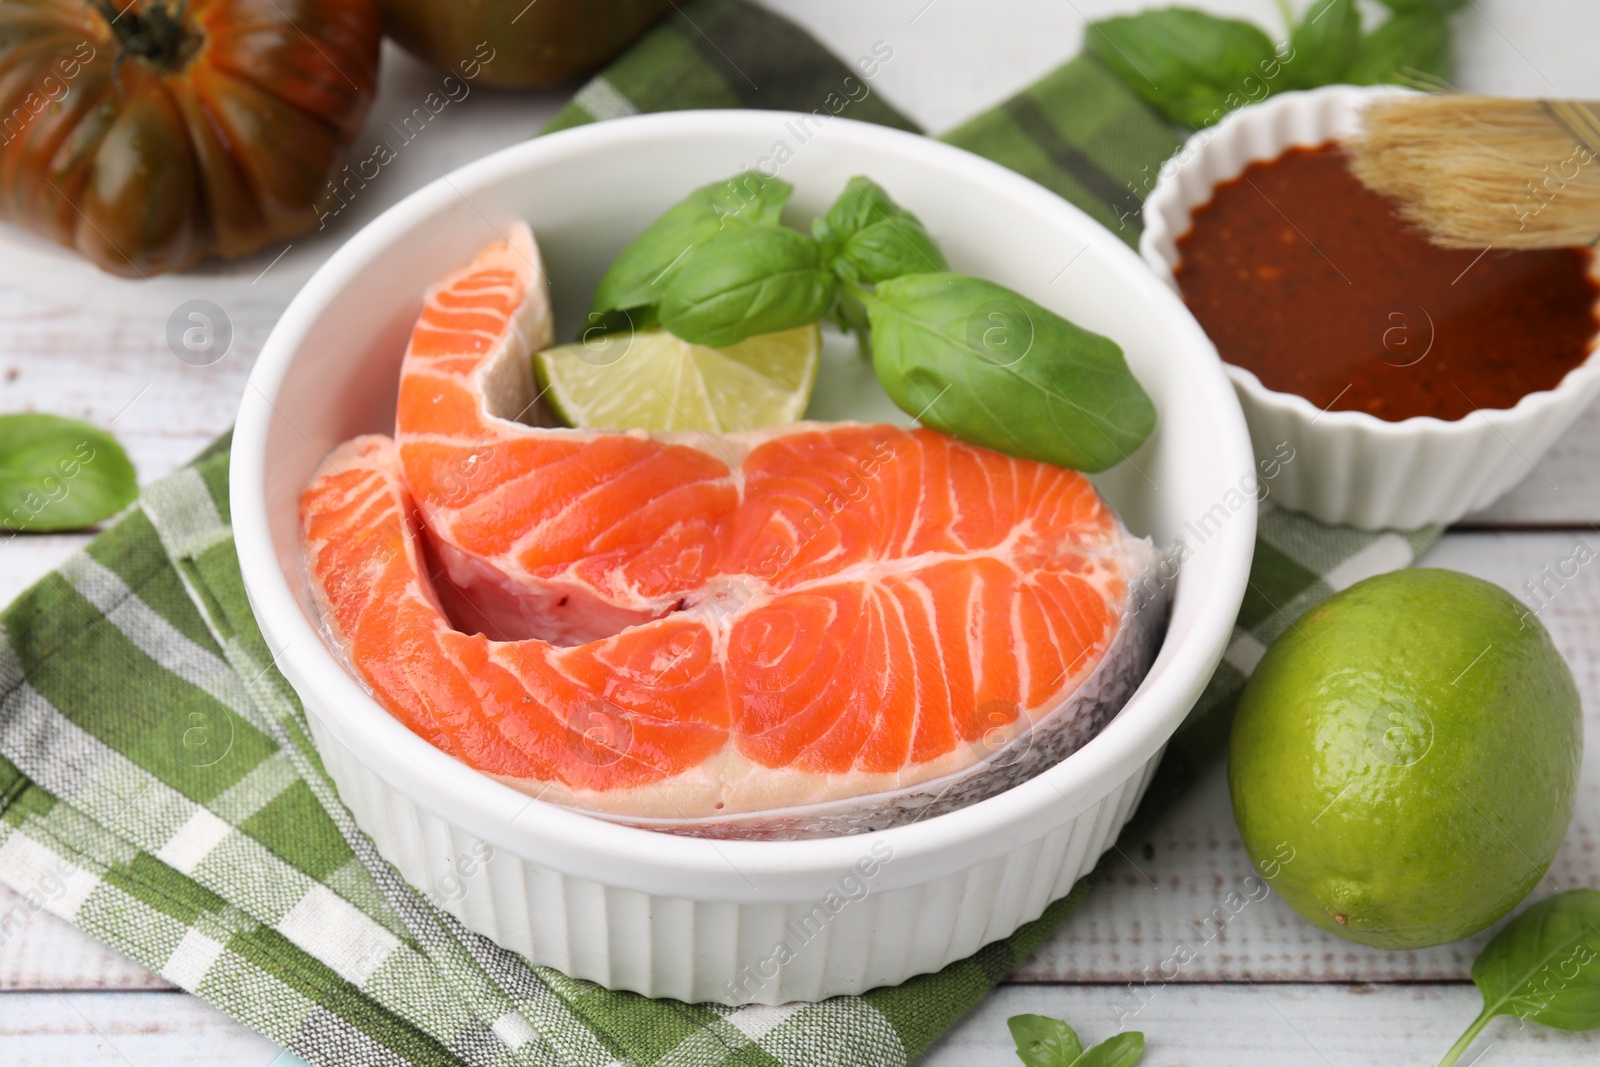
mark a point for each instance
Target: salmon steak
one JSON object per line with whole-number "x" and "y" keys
{"x": 806, "y": 629}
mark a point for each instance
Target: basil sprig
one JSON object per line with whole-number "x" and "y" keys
{"x": 1433, "y": 7}
{"x": 1194, "y": 68}
{"x": 867, "y": 237}
{"x": 1543, "y": 966}
{"x": 1190, "y": 66}
{"x": 1046, "y": 1042}
{"x": 1325, "y": 44}
{"x": 60, "y": 474}
{"x": 963, "y": 355}
{"x": 635, "y": 283}
{"x": 1416, "y": 40}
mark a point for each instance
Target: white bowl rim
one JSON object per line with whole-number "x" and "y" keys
{"x": 651, "y": 861}
{"x": 1529, "y": 407}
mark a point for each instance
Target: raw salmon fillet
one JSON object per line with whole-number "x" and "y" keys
{"x": 823, "y": 625}
{"x": 570, "y": 535}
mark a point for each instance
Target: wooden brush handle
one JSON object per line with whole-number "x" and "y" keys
{"x": 1579, "y": 119}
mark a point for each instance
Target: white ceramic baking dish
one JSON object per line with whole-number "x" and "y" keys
{"x": 696, "y": 919}
{"x": 1350, "y": 467}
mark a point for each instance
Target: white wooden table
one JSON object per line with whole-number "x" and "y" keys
{"x": 1268, "y": 990}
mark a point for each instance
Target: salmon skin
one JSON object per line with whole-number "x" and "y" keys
{"x": 811, "y": 629}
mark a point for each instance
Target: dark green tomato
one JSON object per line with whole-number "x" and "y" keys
{"x": 175, "y": 133}
{"x": 515, "y": 44}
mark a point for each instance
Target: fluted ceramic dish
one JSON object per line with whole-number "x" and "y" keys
{"x": 1350, "y": 467}
{"x": 689, "y": 918}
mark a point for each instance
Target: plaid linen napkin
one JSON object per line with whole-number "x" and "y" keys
{"x": 158, "y": 788}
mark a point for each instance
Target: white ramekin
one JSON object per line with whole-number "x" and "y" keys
{"x": 697, "y": 919}
{"x": 1350, "y": 467}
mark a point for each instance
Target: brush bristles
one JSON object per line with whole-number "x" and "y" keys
{"x": 1475, "y": 171}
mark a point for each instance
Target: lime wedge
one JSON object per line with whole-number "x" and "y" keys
{"x": 652, "y": 380}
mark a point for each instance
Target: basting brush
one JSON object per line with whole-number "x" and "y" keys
{"x": 1475, "y": 171}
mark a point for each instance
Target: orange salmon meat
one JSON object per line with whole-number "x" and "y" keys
{"x": 828, "y": 619}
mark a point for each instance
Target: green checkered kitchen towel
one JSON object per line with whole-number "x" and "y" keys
{"x": 158, "y": 789}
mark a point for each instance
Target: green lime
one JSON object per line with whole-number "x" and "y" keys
{"x": 651, "y": 380}
{"x": 1405, "y": 758}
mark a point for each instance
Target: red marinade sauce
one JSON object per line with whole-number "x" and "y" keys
{"x": 1304, "y": 276}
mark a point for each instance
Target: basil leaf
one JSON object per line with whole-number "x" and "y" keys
{"x": 747, "y": 281}
{"x": 60, "y": 474}
{"x": 1414, "y": 41}
{"x": 1190, "y": 66}
{"x": 888, "y": 249}
{"x": 1122, "y": 1050}
{"x": 1044, "y": 1042}
{"x": 1325, "y": 44}
{"x": 1544, "y": 965}
{"x": 990, "y": 366}
{"x": 639, "y": 276}
{"x": 1437, "y": 7}
{"x": 867, "y": 237}
{"x": 862, "y": 203}
{"x": 616, "y": 320}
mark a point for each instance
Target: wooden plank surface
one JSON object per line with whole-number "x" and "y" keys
{"x": 1269, "y": 1025}
{"x": 110, "y": 363}
{"x": 126, "y": 1030}
{"x": 1562, "y": 488}
{"x": 1221, "y": 1025}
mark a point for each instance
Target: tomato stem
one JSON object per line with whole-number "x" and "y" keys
{"x": 154, "y": 32}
